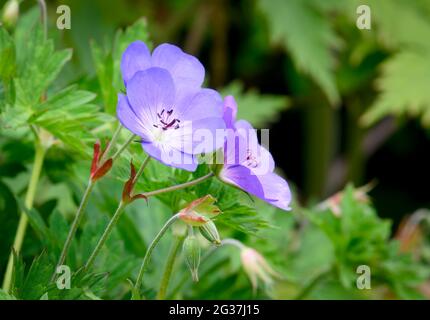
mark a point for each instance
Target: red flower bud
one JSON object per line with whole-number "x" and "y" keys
{"x": 127, "y": 196}
{"x": 99, "y": 170}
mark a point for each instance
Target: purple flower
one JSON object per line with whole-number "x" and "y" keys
{"x": 166, "y": 106}
{"x": 248, "y": 165}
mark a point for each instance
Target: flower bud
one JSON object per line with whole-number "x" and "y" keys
{"x": 98, "y": 170}
{"x": 257, "y": 268}
{"x": 199, "y": 212}
{"x": 210, "y": 232}
{"x": 127, "y": 191}
{"x": 191, "y": 250}
{"x": 10, "y": 13}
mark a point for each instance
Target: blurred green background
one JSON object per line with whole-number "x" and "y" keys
{"x": 343, "y": 105}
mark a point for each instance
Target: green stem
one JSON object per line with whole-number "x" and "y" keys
{"x": 355, "y": 135}
{"x": 122, "y": 148}
{"x": 105, "y": 235}
{"x": 44, "y": 17}
{"x": 320, "y": 134}
{"x": 233, "y": 242}
{"x": 75, "y": 225}
{"x": 185, "y": 276}
{"x": 178, "y": 186}
{"x": 112, "y": 222}
{"x": 122, "y": 205}
{"x": 142, "y": 167}
{"x": 151, "y": 248}
{"x": 23, "y": 221}
{"x": 112, "y": 143}
{"x": 85, "y": 198}
{"x": 169, "y": 267}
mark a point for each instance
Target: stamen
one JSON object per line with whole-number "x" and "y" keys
{"x": 165, "y": 121}
{"x": 251, "y": 160}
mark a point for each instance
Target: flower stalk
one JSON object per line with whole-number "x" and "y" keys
{"x": 178, "y": 186}
{"x": 99, "y": 167}
{"x": 128, "y": 198}
{"x": 118, "y": 213}
{"x": 23, "y": 221}
{"x": 75, "y": 225}
{"x": 148, "y": 254}
{"x": 176, "y": 245}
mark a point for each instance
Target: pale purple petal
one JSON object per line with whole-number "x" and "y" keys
{"x": 170, "y": 156}
{"x": 198, "y": 136}
{"x": 266, "y": 164}
{"x": 230, "y": 111}
{"x": 245, "y": 129}
{"x": 206, "y": 103}
{"x": 129, "y": 119}
{"x": 149, "y": 92}
{"x": 241, "y": 177}
{"x": 135, "y": 58}
{"x": 187, "y": 71}
{"x": 235, "y": 147}
{"x": 270, "y": 187}
{"x": 276, "y": 191}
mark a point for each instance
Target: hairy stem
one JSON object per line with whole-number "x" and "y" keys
{"x": 84, "y": 201}
{"x": 44, "y": 17}
{"x": 112, "y": 143}
{"x": 75, "y": 225}
{"x": 23, "y": 221}
{"x": 118, "y": 213}
{"x": 233, "y": 242}
{"x": 122, "y": 205}
{"x": 185, "y": 276}
{"x": 179, "y": 186}
{"x": 176, "y": 244}
{"x": 151, "y": 248}
{"x": 112, "y": 223}
{"x": 122, "y": 148}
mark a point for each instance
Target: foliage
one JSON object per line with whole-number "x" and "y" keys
{"x": 29, "y": 81}
{"x": 316, "y": 249}
{"x": 257, "y": 108}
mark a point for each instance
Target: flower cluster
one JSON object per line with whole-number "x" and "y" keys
{"x": 178, "y": 120}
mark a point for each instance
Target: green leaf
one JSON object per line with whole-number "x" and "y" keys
{"x": 37, "y": 278}
{"x": 360, "y": 237}
{"x": 107, "y": 62}
{"x": 6, "y": 296}
{"x": 401, "y": 23}
{"x": 7, "y": 55}
{"x": 81, "y": 283}
{"x": 237, "y": 213}
{"x": 403, "y": 26}
{"x": 38, "y": 66}
{"x": 404, "y": 87}
{"x": 259, "y": 109}
{"x": 69, "y": 116}
{"x": 308, "y": 36}
{"x": 103, "y": 63}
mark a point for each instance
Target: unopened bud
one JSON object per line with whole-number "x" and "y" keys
{"x": 10, "y": 13}
{"x": 257, "y": 268}
{"x": 198, "y": 212}
{"x": 191, "y": 250}
{"x": 210, "y": 232}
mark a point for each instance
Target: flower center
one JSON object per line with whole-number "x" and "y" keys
{"x": 166, "y": 120}
{"x": 251, "y": 160}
